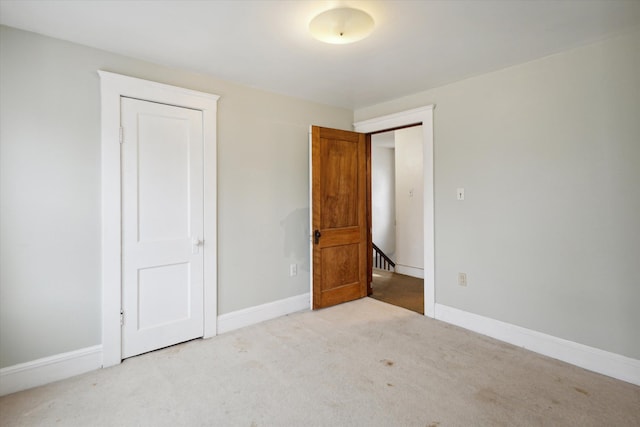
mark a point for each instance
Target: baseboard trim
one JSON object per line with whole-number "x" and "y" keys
{"x": 591, "y": 358}
{"x": 410, "y": 271}
{"x": 252, "y": 315}
{"x": 49, "y": 369}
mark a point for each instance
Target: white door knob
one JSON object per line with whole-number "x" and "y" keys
{"x": 196, "y": 245}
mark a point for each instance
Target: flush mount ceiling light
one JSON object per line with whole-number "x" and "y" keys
{"x": 341, "y": 26}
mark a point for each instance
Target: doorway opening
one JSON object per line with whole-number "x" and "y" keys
{"x": 397, "y": 226}
{"x": 341, "y": 244}
{"x": 422, "y": 117}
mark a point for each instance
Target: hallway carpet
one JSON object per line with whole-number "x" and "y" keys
{"x": 364, "y": 363}
{"x": 398, "y": 289}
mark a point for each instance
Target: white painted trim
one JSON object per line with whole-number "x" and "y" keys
{"x": 423, "y": 116}
{"x": 395, "y": 120}
{"x": 113, "y": 87}
{"x": 596, "y": 360}
{"x": 410, "y": 271}
{"x": 252, "y": 315}
{"x": 49, "y": 369}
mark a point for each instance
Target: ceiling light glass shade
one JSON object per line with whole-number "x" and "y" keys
{"x": 341, "y": 26}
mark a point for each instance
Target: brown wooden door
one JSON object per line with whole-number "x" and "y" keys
{"x": 340, "y": 220}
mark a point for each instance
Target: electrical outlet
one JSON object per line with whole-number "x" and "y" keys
{"x": 462, "y": 279}
{"x": 293, "y": 270}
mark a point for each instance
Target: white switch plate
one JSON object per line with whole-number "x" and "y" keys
{"x": 462, "y": 279}
{"x": 293, "y": 270}
{"x": 460, "y": 193}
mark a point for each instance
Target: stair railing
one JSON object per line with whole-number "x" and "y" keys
{"x": 381, "y": 260}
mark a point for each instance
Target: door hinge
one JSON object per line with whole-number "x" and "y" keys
{"x": 121, "y": 135}
{"x": 121, "y": 318}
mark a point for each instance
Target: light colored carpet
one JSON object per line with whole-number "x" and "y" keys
{"x": 398, "y": 289}
{"x": 365, "y": 363}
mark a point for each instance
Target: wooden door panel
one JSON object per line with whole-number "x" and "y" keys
{"x": 339, "y": 191}
{"x": 338, "y": 268}
{"x": 339, "y": 183}
{"x": 340, "y": 295}
{"x": 339, "y": 236}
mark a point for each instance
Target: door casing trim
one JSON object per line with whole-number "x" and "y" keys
{"x": 418, "y": 116}
{"x": 112, "y": 88}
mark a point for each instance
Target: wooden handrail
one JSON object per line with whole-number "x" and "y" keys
{"x": 381, "y": 260}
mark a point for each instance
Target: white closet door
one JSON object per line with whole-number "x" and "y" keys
{"x": 162, "y": 225}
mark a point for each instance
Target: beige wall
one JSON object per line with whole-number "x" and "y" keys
{"x": 549, "y": 155}
{"x": 547, "y": 151}
{"x": 383, "y": 199}
{"x": 409, "y": 201}
{"x": 50, "y": 191}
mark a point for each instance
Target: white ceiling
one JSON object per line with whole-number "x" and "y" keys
{"x": 417, "y": 45}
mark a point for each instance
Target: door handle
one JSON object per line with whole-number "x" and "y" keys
{"x": 316, "y": 236}
{"x": 196, "y": 242}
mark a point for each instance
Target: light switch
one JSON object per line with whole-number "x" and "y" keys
{"x": 460, "y": 193}
{"x": 462, "y": 279}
